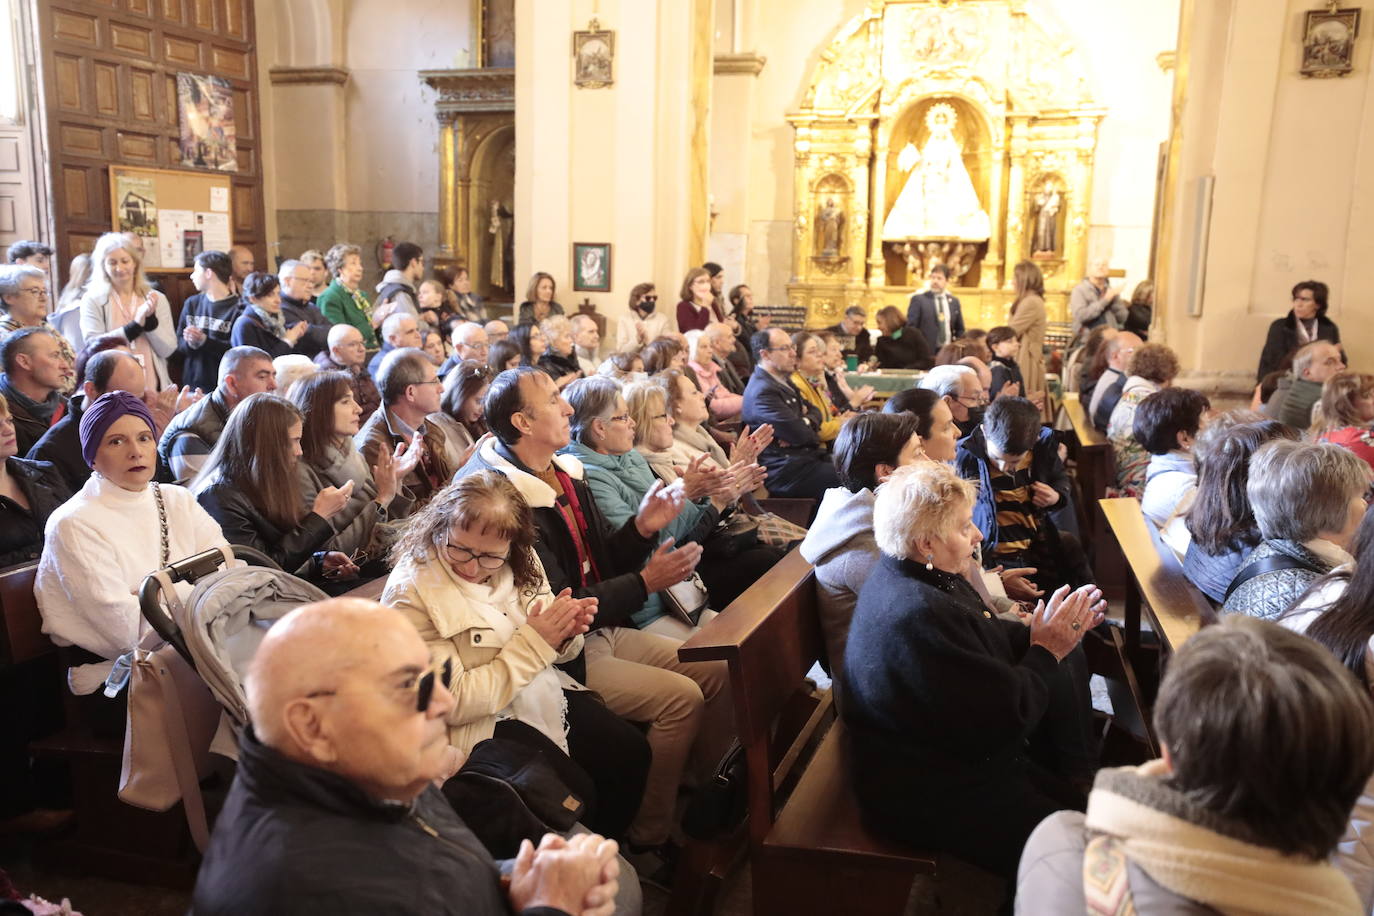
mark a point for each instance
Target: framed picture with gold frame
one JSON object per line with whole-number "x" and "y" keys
{"x": 594, "y": 57}
{"x": 1328, "y": 41}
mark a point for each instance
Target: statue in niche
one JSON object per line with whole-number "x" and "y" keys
{"x": 938, "y": 199}
{"x": 499, "y": 228}
{"x": 1045, "y": 239}
{"x": 830, "y": 229}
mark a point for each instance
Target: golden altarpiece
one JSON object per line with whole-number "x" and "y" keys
{"x": 953, "y": 131}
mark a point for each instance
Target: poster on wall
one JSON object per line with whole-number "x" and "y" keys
{"x": 172, "y": 224}
{"x": 136, "y": 211}
{"x": 206, "y": 106}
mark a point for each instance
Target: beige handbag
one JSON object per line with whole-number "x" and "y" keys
{"x": 172, "y": 720}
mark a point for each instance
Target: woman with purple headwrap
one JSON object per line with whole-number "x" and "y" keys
{"x": 99, "y": 546}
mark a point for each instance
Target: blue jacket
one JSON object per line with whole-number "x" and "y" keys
{"x": 796, "y": 424}
{"x": 972, "y": 463}
{"x": 618, "y": 483}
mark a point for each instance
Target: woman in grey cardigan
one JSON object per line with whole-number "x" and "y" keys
{"x": 329, "y": 459}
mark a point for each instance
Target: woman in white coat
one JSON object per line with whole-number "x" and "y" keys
{"x": 120, "y": 299}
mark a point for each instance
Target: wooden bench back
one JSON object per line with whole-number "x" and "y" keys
{"x": 1077, "y": 412}
{"x": 21, "y": 635}
{"x": 770, "y": 637}
{"x": 1176, "y": 607}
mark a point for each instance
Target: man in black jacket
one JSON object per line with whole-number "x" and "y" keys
{"x": 298, "y": 305}
{"x": 334, "y": 808}
{"x": 797, "y": 464}
{"x": 636, "y": 672}
{"x": 188, "y": 439}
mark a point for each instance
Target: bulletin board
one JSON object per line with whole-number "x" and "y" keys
{"x": 179, "y": 214}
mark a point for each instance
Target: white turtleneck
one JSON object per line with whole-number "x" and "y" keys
{"x": 98, "y": 548}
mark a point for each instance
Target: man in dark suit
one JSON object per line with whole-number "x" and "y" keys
{"x": 935, "y": 312}
{"x": 798, "y": 467}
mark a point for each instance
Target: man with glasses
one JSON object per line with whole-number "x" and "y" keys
{"x": 1298, "y": 392}
{"x": 962, "y": 393}
{"x": 411, "y": 391}
{"x": 348, "y": 353}
{"x": 798, "y": 466}
{"x": 297, "y": 305}
{"x": 334, "y": 807}
{"x": 24, "y": 303}
{"x": 469, "y": 342}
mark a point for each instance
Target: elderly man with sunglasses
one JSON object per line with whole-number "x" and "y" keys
{"x": 335, "y": 807}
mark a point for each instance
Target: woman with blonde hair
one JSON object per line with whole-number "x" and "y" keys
{"x": 78, "y": 275}
{"x": 539, "y": 302}
{"x": 1028, "y": 320}
{"x": 559, "y": 359}
{"x": 697, "y": 306}
{"x": 468, "y": 577}
{"x": 1346, "y": 413}
{"x": 120, "y": 298}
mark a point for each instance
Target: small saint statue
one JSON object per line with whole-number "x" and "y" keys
{"x": 1046, "y": 237}
{"x": 497, "y": 272}
{"x": 830, "y": 228}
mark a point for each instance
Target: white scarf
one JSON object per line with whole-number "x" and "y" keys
{"x": 540, "y": 704}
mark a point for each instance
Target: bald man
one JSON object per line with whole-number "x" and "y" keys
{"x": 347, "y": 352}
{"x": 335, "y": 807}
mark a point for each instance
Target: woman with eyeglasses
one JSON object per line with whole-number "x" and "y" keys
{"x": 25, "y": 303}
{"x": 250, "y": 485}
{"x": 462, "y": 410}
{"x": 902, "y": 345}
{"x": 330, "y": 418}
{"x": 467, "y": 576}
{"x": 644, "y": 323}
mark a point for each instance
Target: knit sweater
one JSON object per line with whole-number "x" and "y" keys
{"x": 98, "y": 548}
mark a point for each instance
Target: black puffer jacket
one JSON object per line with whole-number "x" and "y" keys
{"x": 243, "y": 523}
{"x": 292, "y": 839}
{"x": 21, "y": 531}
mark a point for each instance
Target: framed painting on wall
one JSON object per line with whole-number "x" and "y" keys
{"x": 206, "y": 106}
{"x": 1328, "y": 42}
{"x": 593, "y": 57}
{"x": 592, "y": 267}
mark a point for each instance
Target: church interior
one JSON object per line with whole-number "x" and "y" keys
{"x": 824, "y": 447}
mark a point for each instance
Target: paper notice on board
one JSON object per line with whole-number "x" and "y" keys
{"x": 219, "y": 200}
{"x": 215, "y": 226}
{"x": 170, "y": 225}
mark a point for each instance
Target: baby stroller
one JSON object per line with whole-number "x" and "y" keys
{"x": 187, "y": 694}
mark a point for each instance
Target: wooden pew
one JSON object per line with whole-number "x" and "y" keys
{"x": 21, "y": 635}
{"x": 802, "y": 847}
{"x": 1095, "y": 469}
{"x": 1156, "y": 586}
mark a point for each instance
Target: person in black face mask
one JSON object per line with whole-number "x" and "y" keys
{"x": 962, "y": 391}
{"x": 644, "y": 323}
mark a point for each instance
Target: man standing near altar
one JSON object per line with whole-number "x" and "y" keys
{"x": 935, "y": 312}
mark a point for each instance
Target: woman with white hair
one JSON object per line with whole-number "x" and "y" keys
{"x": 1308, "y": 499}
{"x": 701, "y": 345}
{"x": 290, "y": 369}
{"x": 120, "y": 298}
{"x": 941, "y": 695}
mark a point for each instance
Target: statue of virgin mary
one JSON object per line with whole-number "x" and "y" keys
{"x": 938, "y": 200}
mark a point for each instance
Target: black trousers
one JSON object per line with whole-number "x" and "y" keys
{"x": 726, "y": 578}
{"x": 803, "y": 477}
{"x": 607, "y": 764}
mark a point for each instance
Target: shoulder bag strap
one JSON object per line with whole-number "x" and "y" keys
{"x": 1267, "y": 565}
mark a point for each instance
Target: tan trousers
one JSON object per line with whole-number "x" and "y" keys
{"x": 639, "y": 676}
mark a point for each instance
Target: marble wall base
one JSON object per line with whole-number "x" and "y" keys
{"x": 301, "y": 230}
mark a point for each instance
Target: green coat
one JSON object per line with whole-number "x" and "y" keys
{"x": 336, "y": 303}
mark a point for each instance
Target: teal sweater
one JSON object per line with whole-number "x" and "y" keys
{"x": 619, "y": 482}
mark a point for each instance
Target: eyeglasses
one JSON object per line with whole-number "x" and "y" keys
{"x": 980, "y": 401}
{"x": 38, "y": 291}
{"x": 787, "y": 347}
{"x": 618, "y": 418}
{"x": 485, "y": 560}
{"x": 423, "y": 686}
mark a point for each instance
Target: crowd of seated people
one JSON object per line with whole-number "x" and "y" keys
{"x": 552, "y": 521}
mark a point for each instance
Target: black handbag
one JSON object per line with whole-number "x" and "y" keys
{"x": 507, "y": 792}
{"x": 721, "y": 803}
